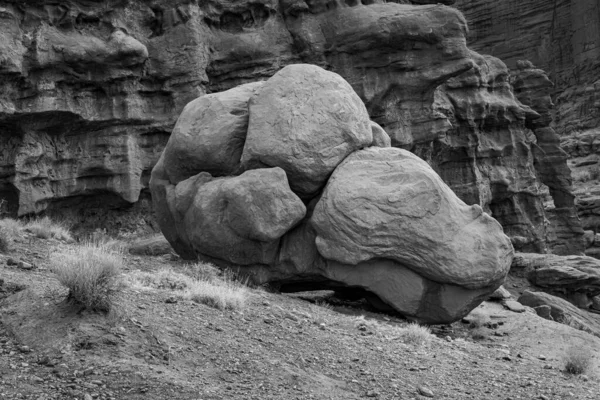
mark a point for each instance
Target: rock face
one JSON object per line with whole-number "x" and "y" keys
{"x": 576, "y": 278}
{"x": 375, "y": 218}
{"x": 533, "y": 88}
{"x": 559, "y": 310}
{"x": 560, "y": 37}
{"x": 90, "y": 93}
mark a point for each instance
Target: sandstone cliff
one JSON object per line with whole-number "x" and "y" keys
{"x": 561, "y": 37}
{"x": 90, "y": 92}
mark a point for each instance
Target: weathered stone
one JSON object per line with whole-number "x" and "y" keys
{"x": 380, "y": 136}
{"x": 95, "y": 136}
{"x": 239, "y": 219}
{"x": 514, "y": 306}
{"x": 384, "y": 225}
{"x": 544, "y": 311}
{"x": 388, "y": 203}
{"x": 562, "y": 274}
{"x": 562, "y": 311}
{"x": 500, "y": 294}
{"x": 209, "y": 135}
{"x": 533, "y": 88}
{"x": 155, "y": 245}
{"x": 305, "y": 120}
{"x": 589, "y": 237}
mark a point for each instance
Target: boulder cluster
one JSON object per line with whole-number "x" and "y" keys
{"x": 291, "y": 182}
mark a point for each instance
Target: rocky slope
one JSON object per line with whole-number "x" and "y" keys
{"x": 91, "y": 92}
{"x": 276, "y": 347}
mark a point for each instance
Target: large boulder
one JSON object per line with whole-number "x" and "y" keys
{"x": 305, "y": 120}
{"x": 388, "y": 203}
{"x": 313, "y": 206}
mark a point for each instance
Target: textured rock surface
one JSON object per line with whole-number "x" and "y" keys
{"x": 562, "y": 311}
{"x": 383, "y": 222}
{"x": 561, "y": 37}
{"x": 305, "y": 120}
{"x": 533, "y": 88}
{"x": 388, "y": 203}
{"x": 90, "y": 93}
{"x": 576, "y": 278}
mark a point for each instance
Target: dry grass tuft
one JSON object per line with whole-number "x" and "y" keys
{"x": 90, "y": 272}
{"x": 10, "y": 229}
{"x": 200, "y": 282}
{"x": 45, "y": 228}
{"x": 13, "y": 227}
{"x": 415, "y": 334}
{"x": 578, "y": 360}
{"x": 221, "y": 294}
{"x": 164, "y": 279}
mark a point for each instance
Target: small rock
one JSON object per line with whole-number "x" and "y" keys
{"x": 514, "y": 306}
{"x": 24, "y": 349}
{"x": 87, "y": 397}
{"x": 425, "y": 391}
{"x": 543, "y": 397}
{"x": 500, "y": 294}
{"x": 11, "y": 261}
{"x": 544, "y": 311}
{"x": 25, "y": 265}
{"x": 584, "y": 378}
{"x": 372, "y": 394}
{"x": 542, "y": 357}
{"x": 171, "y": 300}
{"x": 268, "y": 321}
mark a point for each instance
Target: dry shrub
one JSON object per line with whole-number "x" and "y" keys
{"x": 578, "y": 359}
{"x": 415, "y": 334}
{"x": 45, "y": 228}
{"x": 90, "y": 272}
{"x": 12, "y": 227}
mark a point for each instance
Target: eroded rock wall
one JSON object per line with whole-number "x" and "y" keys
{"x": 90, "y": 92}
{"x": 561, "y": 37}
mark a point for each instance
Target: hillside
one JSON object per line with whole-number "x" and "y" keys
{"x": 276, "y": 347}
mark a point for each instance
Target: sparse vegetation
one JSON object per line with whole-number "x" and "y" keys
{"x": 221, "y": 294}
{"x": 164, "y": 279}
{"x": 45, "y": 228}
{"x": 90, "y": 272}
{"x": 199, "y": 282}
{"x": 578, "y": 360}
{"x": 10, "y": 229}
{"x": 415, "y": 334}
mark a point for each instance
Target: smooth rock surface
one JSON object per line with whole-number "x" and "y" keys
{"x": 388, "y": 203}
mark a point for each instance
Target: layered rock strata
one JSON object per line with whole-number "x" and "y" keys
{"x": 90, "y": 94}
{"x": 310, "y": 199}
